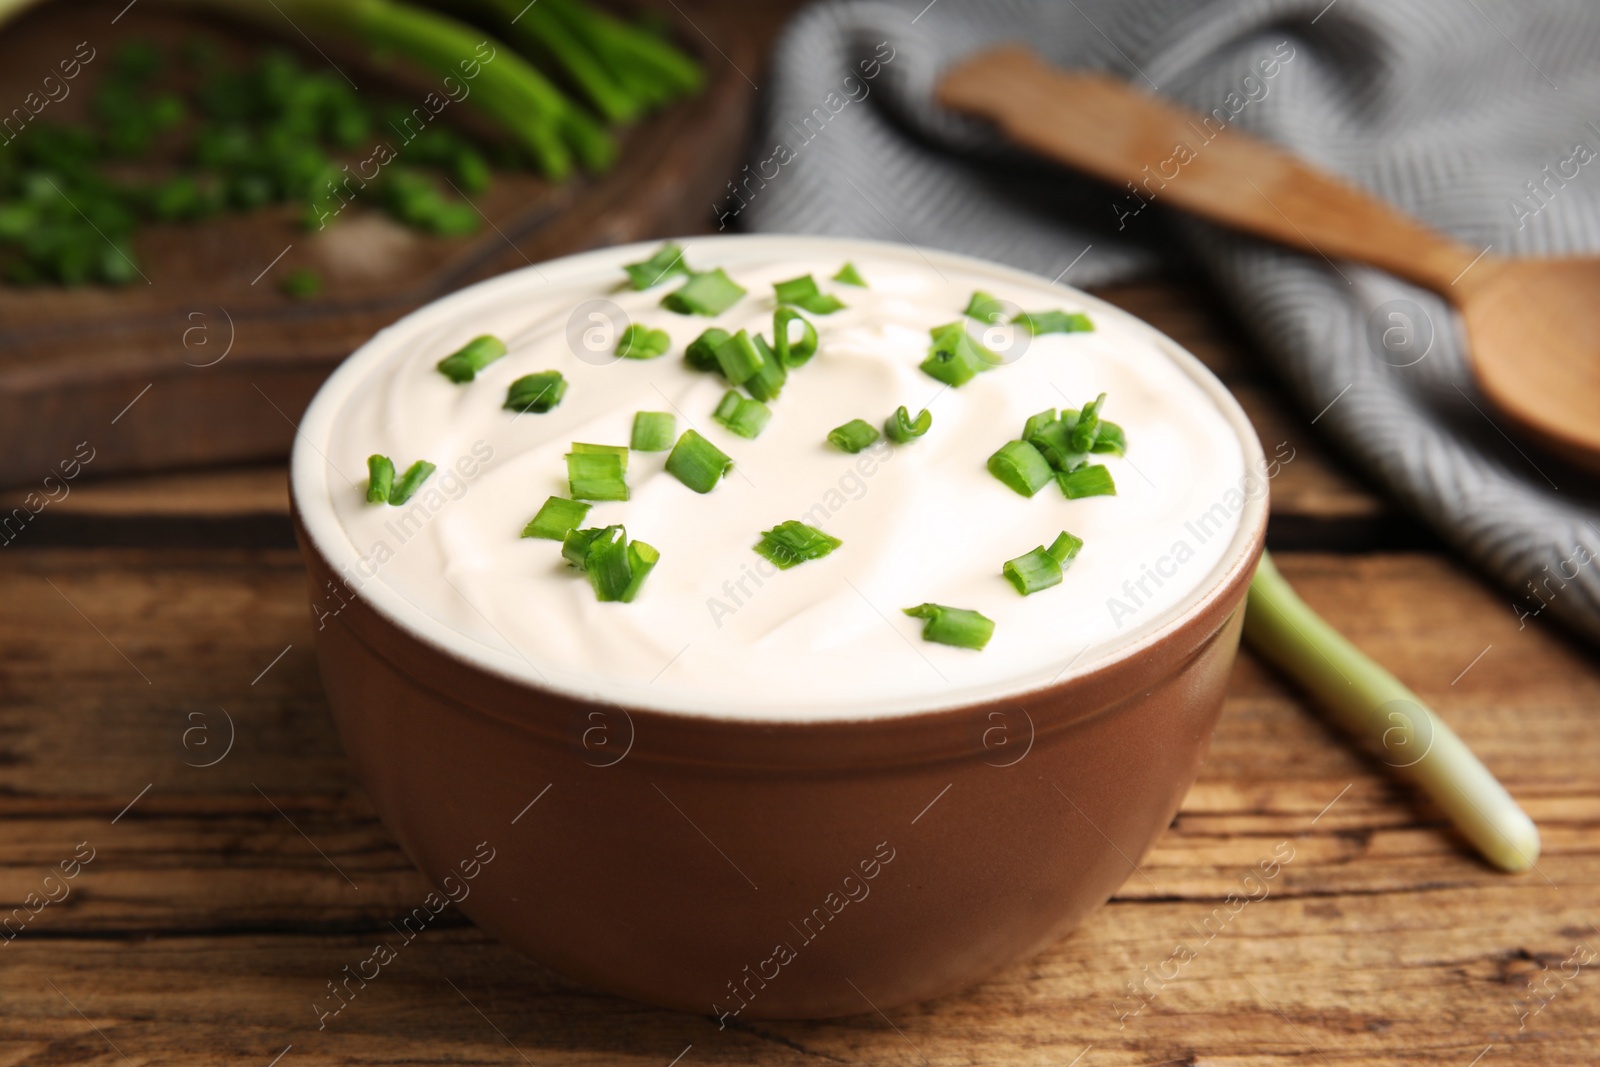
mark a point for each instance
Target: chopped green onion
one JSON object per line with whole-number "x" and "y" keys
{"x": 1088, "y": 427}
{"x": 850, "y": 276}
{"x": 954, "y": 357}
{"x": 739, "y": 358}
{"x": 638, "y": 341}
{"x": 302, "y": 283}
{"x": 853, "y": 436}
{"x": 803, "y": 292}
{"x": 953, "y": 626}
{"x": 1086, "y": 481}
{"x": 742, "y": 416}
{"x": 667, "y": 261}
{"x": 575, "y": 546}
{"x": 410, "y": 481}
{"x": 464, "y": 363}
{"x": 642, "y": 559}
{"x": 596, "y": 475}
{"x": 702, "y": 351}
{"x": 1064, "y": 549}
{"x": 1038, "y": 422}
{"x": 900, "y": 428}
{"x": 1033, "y": 571}
{"x": 536, "y": 392}
{"x": 705, "y": 293}
{"x": 793, "y": 353}
{"x": 767, "y": 382}
{"x": 556, "y": 517}
{"x": 607, "y": 563}
{"x": 620, "y": 451}
{"x": 1110, "y": 439}
{"x": 616, "y": 567}
{"x": 792, "y": 543}
{"x": 697, "y": 463}
{"x": 1037, "y": 322}
{"x": 985, "y": 308}
{"x": 1020, "y": 466}
{"x": 1054, "y": 442}
{"x": 380, "y": 478}
{"x": 653, "y": 431}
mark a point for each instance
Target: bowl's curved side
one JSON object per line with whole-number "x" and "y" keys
{"x": 760, "y": 889}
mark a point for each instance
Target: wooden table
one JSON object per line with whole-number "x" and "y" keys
{"x": 139, "y": 619}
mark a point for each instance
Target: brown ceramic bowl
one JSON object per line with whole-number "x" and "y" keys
{"x": 760, "y": 869}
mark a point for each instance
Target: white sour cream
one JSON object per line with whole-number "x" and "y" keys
{"x": 717, "y": 630}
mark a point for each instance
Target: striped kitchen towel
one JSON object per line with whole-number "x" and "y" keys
{"x": 1481, "y": 117}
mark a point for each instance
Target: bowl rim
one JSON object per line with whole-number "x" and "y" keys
{"x": 314, "y": 511}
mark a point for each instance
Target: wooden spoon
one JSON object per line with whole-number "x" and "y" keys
{"x": 1533, "y": 324}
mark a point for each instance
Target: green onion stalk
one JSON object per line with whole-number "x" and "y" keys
{"x": 508, "y": 88}
{"x": 1372, "y": 706}
{"x": 543, "y": 120}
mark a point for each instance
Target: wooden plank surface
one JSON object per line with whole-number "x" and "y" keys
{"x": 213, "y": 912}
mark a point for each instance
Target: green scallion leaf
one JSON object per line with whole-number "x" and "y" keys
{"x": 464, "y": 363}
{"x": 1064, "y": 549}
{"x": 575, "y": 546}
{"x": 666, "y": 262}
{"x": 1054, "y": 442}
{"x": 1033, "y": 571}
{"x": 767, "y": 382}
{"x": 985, "y": 308}
{"x": 1093, "y": 480}
{"x": 620, "y": 451}
{"x": 536, "y": 392}
{"x": 850, "y": 276}
{"x": 742, "y": 416}
{"x": 853, "y": 436}
{"x": 1020, "y": 466}
{"x": 639, "y": 341}
{"x": 596, "y": 475}
{"x": 706, "y": 293}
{"x": 380, "y": 478}
{"x": 1088, "y": 426}
{"x": 803, "y": 292}
{"x": 697, "y": 463}
{"x": 792, "y": 543}
{"x": 642, "y": 559}
{"x": 738, "y": 358}
{"x": 1111, "y": 438}
{"x": 409, "y": 482}
{"x": 954, "y": 357}
{"x": 1038, "y": 422}
{"x": 1037, "y": 322}
{"x": 616, "y": 567}
{"x": 953, "y": 626}
{"x": 702, "y": 351}
{"x": 900, "y": 427}
{"x": 302, "y": 283}
{"x": 607, "y": 563}
{"x": 653, "y": 431}
{"x": 556, "y": 518}
{"x": 792, "y": 353}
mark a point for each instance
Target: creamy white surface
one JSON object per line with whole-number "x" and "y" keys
{"x": 826, "y": 639}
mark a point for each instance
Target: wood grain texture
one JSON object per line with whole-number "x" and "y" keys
{"x": 215, "y": 909}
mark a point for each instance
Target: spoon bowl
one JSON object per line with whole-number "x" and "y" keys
{"x": 1533, "y": 326}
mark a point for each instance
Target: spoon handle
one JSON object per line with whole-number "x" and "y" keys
{"x": 1157, "y": 152}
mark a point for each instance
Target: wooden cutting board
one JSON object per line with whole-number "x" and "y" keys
{"x": 207, "y": 361}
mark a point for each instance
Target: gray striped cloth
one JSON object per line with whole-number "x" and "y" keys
{"x": 1481, "y": 117}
